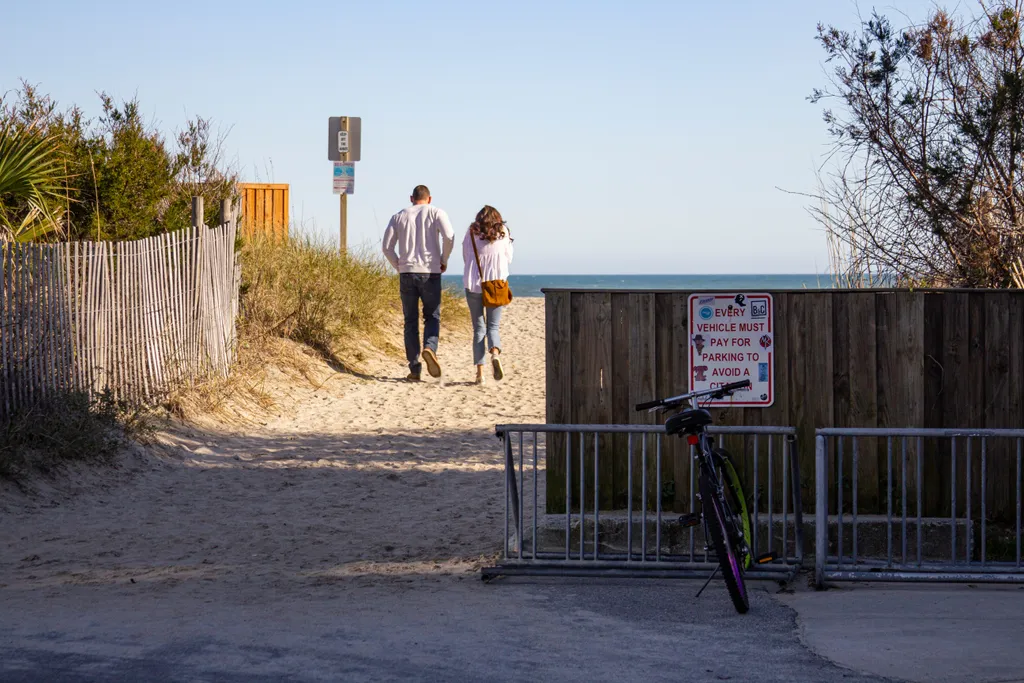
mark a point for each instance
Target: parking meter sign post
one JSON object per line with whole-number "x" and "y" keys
{"x": 344, "y": 140}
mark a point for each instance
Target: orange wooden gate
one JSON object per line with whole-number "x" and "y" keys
{"x": 265, "y": 208}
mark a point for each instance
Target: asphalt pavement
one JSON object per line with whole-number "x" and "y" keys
{"x": 439, "y": 629}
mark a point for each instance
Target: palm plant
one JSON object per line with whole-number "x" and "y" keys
{"x": 31, "y": 181}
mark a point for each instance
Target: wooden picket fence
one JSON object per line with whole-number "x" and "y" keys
{"x": 132, "y": 318}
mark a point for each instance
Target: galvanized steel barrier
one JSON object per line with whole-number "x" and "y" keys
{"x": 575, "y": 542}
{"x": 851, "y": 546}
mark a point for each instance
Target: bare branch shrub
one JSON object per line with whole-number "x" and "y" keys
{"x": 928, "y": 134}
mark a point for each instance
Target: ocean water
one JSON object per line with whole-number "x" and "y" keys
{"x": 531, "y": 285}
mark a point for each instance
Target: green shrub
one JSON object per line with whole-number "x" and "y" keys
{"x": 120, "y": 179}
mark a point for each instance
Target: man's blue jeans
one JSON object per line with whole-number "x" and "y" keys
{"x": 416, "y": 287}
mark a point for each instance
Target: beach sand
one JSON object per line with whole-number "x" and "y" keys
{"x": 365, "y": 478}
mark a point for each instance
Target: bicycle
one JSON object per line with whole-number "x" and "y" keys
{"x": 723, "y": 505}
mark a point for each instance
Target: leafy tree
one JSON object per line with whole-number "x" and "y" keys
{"x": 929, "y": 139}
{"x": 133, "y": 174}
{"x": 119, "y": 177}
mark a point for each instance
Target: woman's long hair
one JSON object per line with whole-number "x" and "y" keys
{"x": 488, "y": 224}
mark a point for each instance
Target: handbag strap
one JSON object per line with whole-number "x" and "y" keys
{"x": 476, "y": 253}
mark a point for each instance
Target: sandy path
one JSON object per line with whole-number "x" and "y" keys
{"x": 364, "y": 476}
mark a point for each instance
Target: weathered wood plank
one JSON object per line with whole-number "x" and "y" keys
{"x": 956, "y": 383}
{"x": 978, "y": 388}
{"x": 934, "y": 458}
{"x": 621, "y": 413}
{"x": 593, "y": 374}
{"x": 623, "y": 392}
{"x": 673, "y": 379}
{"x": 1000, "y": 472}
{"x": 778, "y": 414}
{"x": 900, "y": 335}
{"x": 642, "y": 360}
{"x": 811, "y": 367}
{"x": 558, "y": 341}
{"x": 862, "y": 346}
{"x": 844, "y": 365}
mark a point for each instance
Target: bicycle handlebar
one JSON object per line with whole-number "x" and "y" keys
{"x": 720, "y": 392}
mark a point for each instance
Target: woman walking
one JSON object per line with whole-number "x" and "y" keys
{"x": 487, "y": 253}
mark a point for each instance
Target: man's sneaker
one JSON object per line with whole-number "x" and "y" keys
{"x": 430, "y": 358}
{"x": 413, "y": 377}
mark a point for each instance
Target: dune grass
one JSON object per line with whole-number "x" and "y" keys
{"x": 306, "y": 291}
{"x": 65, "y": 428}
{"x": 302, "y": 292}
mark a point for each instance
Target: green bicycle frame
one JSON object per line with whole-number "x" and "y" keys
{"x": 737, "y": 499}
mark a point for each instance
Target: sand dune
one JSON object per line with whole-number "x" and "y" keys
{"x": 363, "y": 477}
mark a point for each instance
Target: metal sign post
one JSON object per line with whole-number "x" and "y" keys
{"x": 344, "y": 138}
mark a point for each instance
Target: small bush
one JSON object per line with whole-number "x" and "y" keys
{"x": 69, "y": 427}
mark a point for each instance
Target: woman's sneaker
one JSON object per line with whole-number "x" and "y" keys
{"x": 499, "y": 372}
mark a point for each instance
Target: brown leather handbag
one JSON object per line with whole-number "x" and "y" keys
{"x": 496, "y": 293}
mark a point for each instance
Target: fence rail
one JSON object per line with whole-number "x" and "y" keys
{"x": 641, "y": 537}
{"x": 979, "y": 546}
{"x": 132, "y": 318}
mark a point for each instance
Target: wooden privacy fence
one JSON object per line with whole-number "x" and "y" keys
{"x": 843, "y": 358}
{"x": 135, "y": 318}
{"x": 265, "y": 208}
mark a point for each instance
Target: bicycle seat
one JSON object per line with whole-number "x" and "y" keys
{"x": 688, "y": 421}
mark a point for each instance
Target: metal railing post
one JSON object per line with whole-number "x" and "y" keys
{"x": 513, "y": 492}
{"x": 798, "y": 499}
{"x": 821, "y": 511}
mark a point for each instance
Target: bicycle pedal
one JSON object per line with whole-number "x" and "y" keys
{"x": 690, "y": 520}
{"x": 766, "y": 558}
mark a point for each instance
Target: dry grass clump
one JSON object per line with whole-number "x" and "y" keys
{"x": 303, "y": 301}
{"x": 306, "y": 291}
{"x": 67, "y": 427}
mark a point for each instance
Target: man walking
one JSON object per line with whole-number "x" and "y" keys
{"x": 424, "y": 239}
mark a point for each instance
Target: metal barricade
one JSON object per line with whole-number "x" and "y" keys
{"x": 939, "y": 478}
{"x": 639, "y": 537}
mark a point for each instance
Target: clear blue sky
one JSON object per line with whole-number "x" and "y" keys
{"x": 615, "y": 137}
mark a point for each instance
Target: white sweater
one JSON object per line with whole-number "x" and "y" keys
{"x": 417, "y": 232}
{"x": 495, "y": 258}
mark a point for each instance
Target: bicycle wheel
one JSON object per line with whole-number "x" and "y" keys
{"x": 717, "y": 525}
{"x": 737, "y": 503}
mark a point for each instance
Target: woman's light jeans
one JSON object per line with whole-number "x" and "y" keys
{"x": 485, "y": 326}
